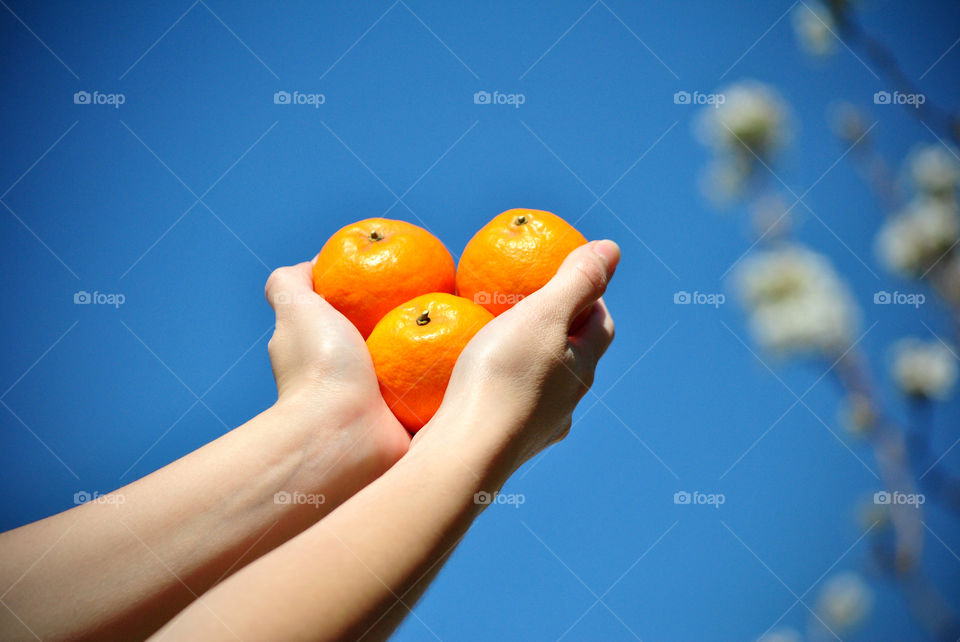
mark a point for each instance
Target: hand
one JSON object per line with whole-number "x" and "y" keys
{"x": 323, "y": 369}
{"x": 512, "y": 392}
{"x": 526, "y": 370}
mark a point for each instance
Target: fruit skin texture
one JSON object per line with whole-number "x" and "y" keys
{"x": 513, "y": 256}
{"x": 414, "y": 348}
{"x": 369, "y": 267}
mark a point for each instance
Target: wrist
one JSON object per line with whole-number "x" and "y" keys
{"x": 338, "y": 436}
{"x": 486, "y": 444}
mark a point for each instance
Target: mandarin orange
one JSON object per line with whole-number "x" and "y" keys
{"x": 414, "y": 348}
{"x": 369, "y": 267}
{"x": 513, "y": 256}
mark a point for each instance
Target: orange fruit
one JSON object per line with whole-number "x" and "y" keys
{"x": 513, "y": 256}
{"x": 414, "y": 347}
{"x": 369, "y": 267}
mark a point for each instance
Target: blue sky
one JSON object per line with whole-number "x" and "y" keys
{"x": 187, "y": 195}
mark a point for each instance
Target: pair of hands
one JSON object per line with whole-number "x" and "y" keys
{"x": 531, "y": 365}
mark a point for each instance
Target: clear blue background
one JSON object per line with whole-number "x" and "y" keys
{"x": 116, "y": 396}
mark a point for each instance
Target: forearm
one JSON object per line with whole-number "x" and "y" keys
{"x": 359, "y": 571}
{"x": 125, "y": 566}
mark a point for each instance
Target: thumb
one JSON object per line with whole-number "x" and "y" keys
{"x": 289, "y": 291}
{"x": 581, "y": 280}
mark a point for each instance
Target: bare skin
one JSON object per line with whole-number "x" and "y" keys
{"x": 123, "y": 566}
{"x": 396, "y": 508}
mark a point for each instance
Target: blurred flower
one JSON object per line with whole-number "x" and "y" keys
{"x": 753, "y": 118}
{"x": 916, "y": 239}
{"x": 815, "y": 28}
{"x": 924, "y": 370}
{"x": 934, "y": 169}
{"x": 781, "y": 635}
{"x": 796, "y": 301}
{"x": 845, "y": 601}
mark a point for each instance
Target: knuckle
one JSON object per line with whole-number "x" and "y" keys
{"x": 281, "y": 287}
{"x": 273, "y": 282}
{"x": 279, "y": 277}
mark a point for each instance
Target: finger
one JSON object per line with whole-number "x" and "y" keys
{"x": 581, "y": 280}
{"x": 290, "y": 285}
{"x": 596, "y": 334}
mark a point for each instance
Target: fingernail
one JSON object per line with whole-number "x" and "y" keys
{"x": 609, "y": 253}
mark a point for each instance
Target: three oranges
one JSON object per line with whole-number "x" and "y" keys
{"x": 395, "y": 282}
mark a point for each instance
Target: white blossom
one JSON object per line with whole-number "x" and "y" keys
{"x": 815, "y": 29}
{"x": 917, "y": 238}
{"x": 796, "y": 301}
{"x": 845, "y": 601}
{"x": 753, "y": 118}
{"x": 924, "y": 369}
{"x": 934, "y": 169}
